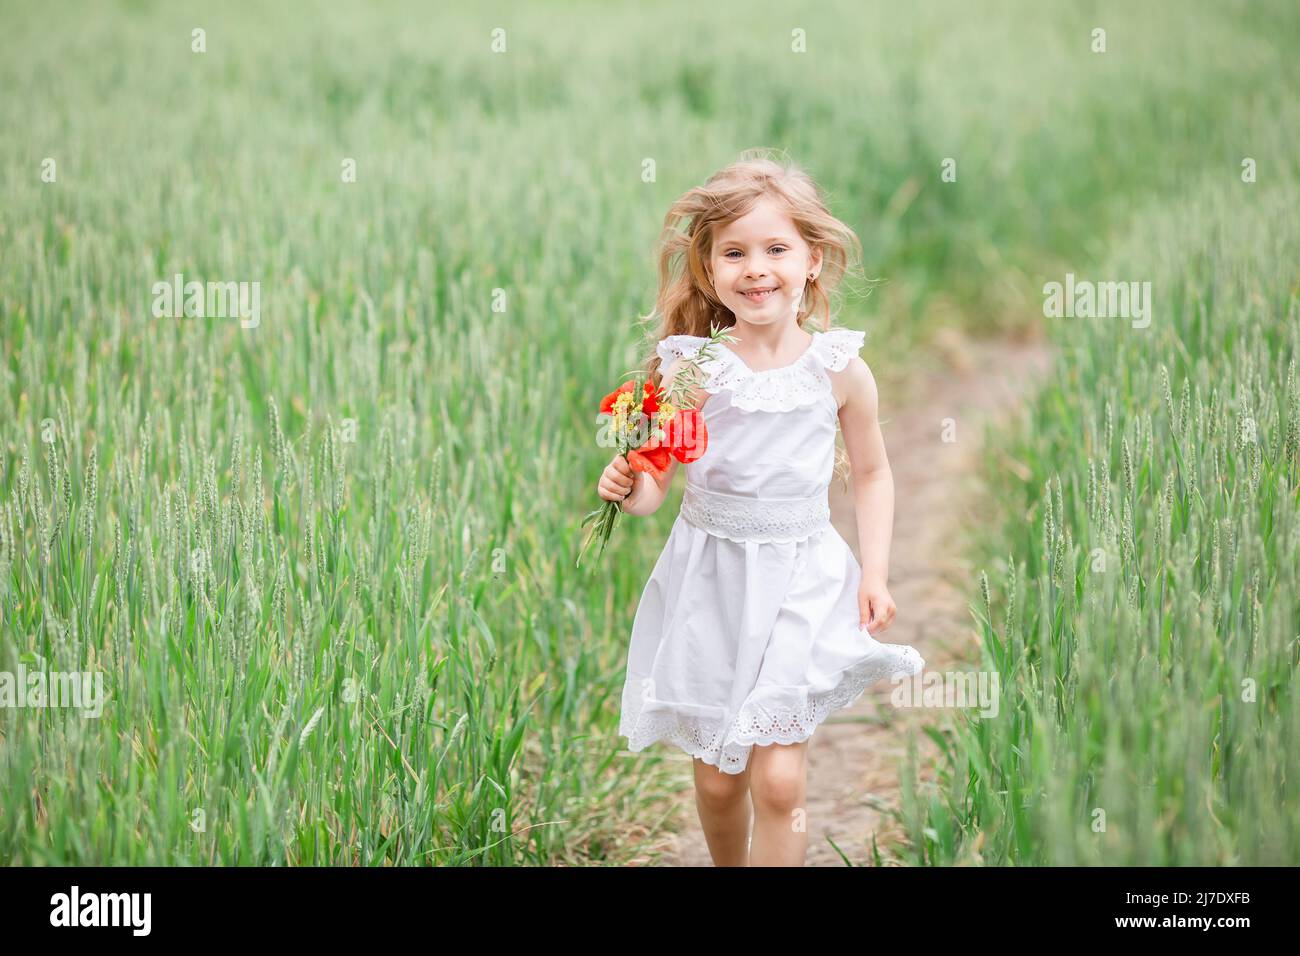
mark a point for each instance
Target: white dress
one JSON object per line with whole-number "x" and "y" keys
{"x": 747, "y": 631}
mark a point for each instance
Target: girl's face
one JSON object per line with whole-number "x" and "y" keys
{"x": 759, "y": 265}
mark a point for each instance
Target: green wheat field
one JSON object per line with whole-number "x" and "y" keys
{"x": 323, "y": 561}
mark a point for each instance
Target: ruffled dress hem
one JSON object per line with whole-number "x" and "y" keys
{"x": 758, "y": 722}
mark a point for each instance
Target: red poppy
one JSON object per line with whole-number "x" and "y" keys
{"x": 650, "y": 404}
{"x": 685, "y": 438}
{"x": 686, "y": 435}
{"x": 607, "y": 403}
{"x": 653, "y": 457}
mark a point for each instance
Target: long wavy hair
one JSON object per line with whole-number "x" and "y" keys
{"x": 686, "y": 303}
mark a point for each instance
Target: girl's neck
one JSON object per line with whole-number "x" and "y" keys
{"x": 768, "y": 344}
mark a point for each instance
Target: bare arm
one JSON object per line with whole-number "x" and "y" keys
{"x": 648, "y": 491}
{"x": 873, "y": 488}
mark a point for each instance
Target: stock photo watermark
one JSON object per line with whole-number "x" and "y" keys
{"x": 977, "y": 690}
{"x": 37, "y": 688}
{"x": 211, "y": 300}
{"x": 75, "y": 908}
{"x": 1084, "y": 299}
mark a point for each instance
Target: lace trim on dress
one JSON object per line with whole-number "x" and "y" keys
{"x": 742, "y": 518}
{"x": 727, "y": 744}
{"x": 802, "y": 382}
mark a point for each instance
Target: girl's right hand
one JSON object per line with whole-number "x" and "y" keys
{"x": 617, "y": 480}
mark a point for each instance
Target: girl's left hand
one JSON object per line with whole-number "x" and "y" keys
{"x": 875, "y": 607}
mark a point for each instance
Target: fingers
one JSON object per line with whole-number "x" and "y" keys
{"x": 885, "y": 615}
{"x": 611, "y": 491}
{"x": 617, "y": 480}
{"x": 624, "y": 477}
{"x": 875, "y": 615}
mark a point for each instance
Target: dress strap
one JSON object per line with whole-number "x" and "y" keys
{"x": 680, "y": 346}
{"x": 717, "y": 364}
{"x": 835, "y": 347}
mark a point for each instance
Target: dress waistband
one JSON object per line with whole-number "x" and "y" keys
{"x": 746, "y": 518}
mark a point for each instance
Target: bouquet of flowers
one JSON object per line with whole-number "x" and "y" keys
{"x": 650, "y": 426}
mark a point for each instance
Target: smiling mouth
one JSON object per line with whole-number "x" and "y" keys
{"x": 759, "y": 296}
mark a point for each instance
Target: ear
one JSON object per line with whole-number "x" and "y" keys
{"x": 815, "y": 260}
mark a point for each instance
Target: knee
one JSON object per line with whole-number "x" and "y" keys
{"x": 778, "y": 789}
{"x": 718, "y": 790}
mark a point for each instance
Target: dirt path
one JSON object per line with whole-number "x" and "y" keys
{"x": 855, "y": 757}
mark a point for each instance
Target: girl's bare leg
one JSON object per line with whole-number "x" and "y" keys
{"x": 779, "y": 787}
{"x": 723, "y": 803}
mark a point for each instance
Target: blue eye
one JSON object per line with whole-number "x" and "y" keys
{"x": 728, "y": 253}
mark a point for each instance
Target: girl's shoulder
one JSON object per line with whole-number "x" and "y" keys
{"x": 696, "y": 350}
{"x": 835, "y": 347}
{"x": 685, "y": 347}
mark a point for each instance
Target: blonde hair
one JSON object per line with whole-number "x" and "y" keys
{"x": 687, "y": 304}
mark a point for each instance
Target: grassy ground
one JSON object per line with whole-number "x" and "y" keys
{"x": 326, "y": 564}
{"x": 1144, "y": 622}
{"x": 1140, "y": 608}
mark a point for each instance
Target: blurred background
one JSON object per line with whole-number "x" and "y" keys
{"x": 326, "y": 563}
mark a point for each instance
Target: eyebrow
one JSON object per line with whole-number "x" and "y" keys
{"x": 737, "y": 242}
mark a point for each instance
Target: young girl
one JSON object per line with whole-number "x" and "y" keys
{"x": 754, "y": 624}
